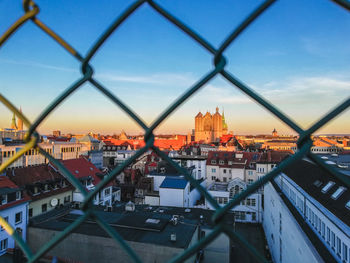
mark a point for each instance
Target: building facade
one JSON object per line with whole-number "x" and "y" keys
{"x": 306, "y": 215}
{"x": 13, "y": 209}
{"x": 210, "y": 127}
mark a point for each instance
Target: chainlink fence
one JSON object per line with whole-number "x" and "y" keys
{"x": 219, "y": 62}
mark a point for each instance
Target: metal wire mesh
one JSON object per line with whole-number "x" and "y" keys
{"x": 219, "y": 62}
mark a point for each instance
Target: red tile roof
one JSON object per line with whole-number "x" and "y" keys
{"x": 5, "y": 182}
{"x": 247, "y": 159}
{"x": 82, "y": 168}
{"x": 27, "y": 176}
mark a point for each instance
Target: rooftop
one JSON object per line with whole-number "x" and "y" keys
{"x": 174, "y": 182}
{"x": 314, "y": 184}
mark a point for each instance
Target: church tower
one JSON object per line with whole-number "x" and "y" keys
{"x": 198, "y": 127}
{"x": 13, "y": 123}
{"x": 217, "y": 125}
{"x": 209, "y": 128}
{"x": 20, "y": 122}
{"x": 224, "y": 125}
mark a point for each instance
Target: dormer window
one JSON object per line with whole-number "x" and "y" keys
{"x": 327, "y": 187}
{"x": 213, "y": 161}
{"x": 348, "y": 205}
{"x": 229, "y": 162}
{"x": 337, "y": 193}
{"x": 46, "y": 187}
{"x": 221, "y": 162}
{"x": 317, "y": 183}
{"x": 3, "y": 199}
{"x": 18, "y": 195}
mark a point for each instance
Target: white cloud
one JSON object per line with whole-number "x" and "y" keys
{"x": 36, "y": 64}
{"x": 183, "y": 79}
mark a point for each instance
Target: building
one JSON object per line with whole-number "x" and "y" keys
{"x": 46, "y": 187}
{"x": 13, "y": 208}
{"x": 307, "y": 215}
{"x": 210, "y": 127}
{"x": 89, "y": 175}
{"x": 155, "y": 237}
{"x": 225, "y": 166}
{"x": 249, "y": 210}
{"x": 269, "y": 160}
{"x": 156, "y": 234}
{"x": 58, "y": 149}
{"x": 196, "y": 162}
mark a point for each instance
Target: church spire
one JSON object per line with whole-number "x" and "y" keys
{"x": 19, "y": 121}
{"x": 13, "y": 123}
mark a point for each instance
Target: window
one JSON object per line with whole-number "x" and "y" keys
{"x": 224, "y": 179}
{"x": 332, "y": 240}
{"x": 6, "y": 218}
{"x": 18, "y": 195}
{"x": 250, "y": 181}
{"x": 345, "y": 253}
{"x": 3, "y": 199}
{"x": 327, "y": 187}
{"x": 67, "y": 199}
{"x": 213, "y": 161}
{"x": 107, "y": 191}
{"x": 43, "y": 208}
{"x": 213, "y": 170}
{"x": 30, "y": 212}
{"x": 337, "y": 193}
{"x": 18, "y": 218}
{"x": 213, "y": 178}
{"x": 221, "y": 162}
{"x": 253, "y": 216}
{"x": 338, "y": 246}
{"x": 3, "y": 244}
{"x": 224, "y": 171}
{"x": 328, "y": 235}
{"x": 323, "y": 229}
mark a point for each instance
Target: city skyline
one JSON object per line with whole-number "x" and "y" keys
{"x": 299, "y": 64}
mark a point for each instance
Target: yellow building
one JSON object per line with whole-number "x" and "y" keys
{"x": 210, "y": 127}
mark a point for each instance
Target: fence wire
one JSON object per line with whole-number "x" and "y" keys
{"x": 31, "y": 10}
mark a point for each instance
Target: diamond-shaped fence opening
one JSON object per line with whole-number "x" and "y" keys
{"x": 219, "y": 63}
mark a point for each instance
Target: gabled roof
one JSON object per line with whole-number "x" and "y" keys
{"x": 6, "y": 183}
{"x": 274, "y": 156}
{"x": 81, "y": 168}
{"x": 6, "y": 187}
{"x": 174, "y": 183}
{"x": 33, "y": 174}
{"x": 40, "y": 174}
{"x": 88, "y": 138}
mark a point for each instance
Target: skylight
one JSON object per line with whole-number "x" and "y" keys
{"x": 152, "y": 221}
{"x": 337, "y": 193}
{"x": 327, "y": 187}
{"x": 348, "y": 205}
{"x": 317, "y": 183}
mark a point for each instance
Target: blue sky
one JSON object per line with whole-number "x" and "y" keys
{"x": 296, "y": 55}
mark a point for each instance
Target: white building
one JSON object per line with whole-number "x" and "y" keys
{"x": 59, "y": 150}
{"x": 307, "y": 216}
{"x": 90, "y": 176}
{"x": 249, "y": 210}
{"x": 225, "y": 166}
{"x": 197, "y": 162}
{"x": 13, "y": 208}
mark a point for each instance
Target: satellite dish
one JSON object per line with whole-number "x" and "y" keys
{"x": 54, "y": 202}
